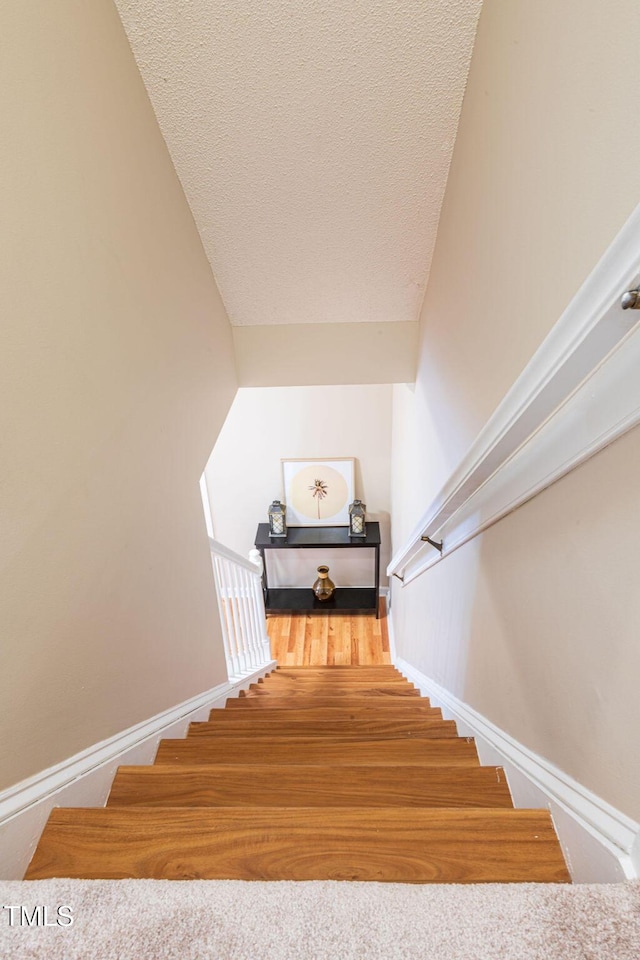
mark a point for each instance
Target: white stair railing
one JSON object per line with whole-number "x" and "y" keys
{"x": 578, "y": 393}
{"x": 242, "y": 614}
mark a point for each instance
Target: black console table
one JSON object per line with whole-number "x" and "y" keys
{"x": 301, "y": 599}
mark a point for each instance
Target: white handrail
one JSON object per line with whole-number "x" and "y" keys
{"x": 591, "y": 328}
{"x": 242, "y": 615}
{"x": 220, "y": 550}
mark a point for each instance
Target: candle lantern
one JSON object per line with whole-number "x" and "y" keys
{"x": 357, "y": 526}
{"x": 277, "y": 521}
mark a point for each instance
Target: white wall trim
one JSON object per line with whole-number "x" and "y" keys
{"x": 579, "y": 392}
{"x": 85, "y": 778}
{"x": 601, "y": 844}
{"x": 206, "y": 506}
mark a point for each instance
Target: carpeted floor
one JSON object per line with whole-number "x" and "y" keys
{"x": 328, "y": 920}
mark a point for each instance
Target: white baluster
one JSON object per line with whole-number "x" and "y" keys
{"x": 251, "y": 626}
{"x": 242, "y": 629}
{"x": 262, "y": 636}
{"x": 246, "y": 623}
{"x": 230, "y": 589}
{"x": 241, "y": 603}
{"x": 223, "y": 607}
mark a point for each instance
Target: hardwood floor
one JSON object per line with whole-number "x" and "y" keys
{"x": 329, "y": 639}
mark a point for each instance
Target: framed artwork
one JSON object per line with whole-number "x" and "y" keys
{"x": 318, "y": 492}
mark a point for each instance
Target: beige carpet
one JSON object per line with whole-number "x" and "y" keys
{"x": 235, "y": 920}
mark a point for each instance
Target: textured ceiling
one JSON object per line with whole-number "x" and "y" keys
{"x": 313, "y": 140}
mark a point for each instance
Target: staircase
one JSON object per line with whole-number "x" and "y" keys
{"x": 315, "y": 773}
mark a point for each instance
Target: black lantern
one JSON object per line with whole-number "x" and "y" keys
{"x": 357, "y": 527}
{"x": 277, "y": 522}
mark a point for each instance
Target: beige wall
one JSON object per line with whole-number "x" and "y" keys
{"x": 325, "y": 353}
{"x": 266, "y": 424}
{"x": 533, "y": 623}
{"x": 117, "y": 373}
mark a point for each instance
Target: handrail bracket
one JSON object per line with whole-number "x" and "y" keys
{"x": 434, "y": 543}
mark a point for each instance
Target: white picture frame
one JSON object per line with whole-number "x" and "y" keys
{"x": 317, "y": 493}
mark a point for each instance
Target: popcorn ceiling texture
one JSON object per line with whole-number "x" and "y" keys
{"x": 313, "y": 140}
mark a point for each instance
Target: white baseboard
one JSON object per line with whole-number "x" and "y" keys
{"x": 600, "y": 844}
{"x": 84, "y": 780}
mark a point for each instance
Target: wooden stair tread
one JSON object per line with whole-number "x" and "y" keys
{"x": 292, "y": 714}
{"x": 299, "y": 702}
{"x": 344, "y": 729}
{"x": 327, "y": 682}
{"x": 355, "y": 672}
{"x": 355, "y": 667}
{"x": 323, "y": 690}
{"x": 448, "y": 751}
{"x": 312, "y": 786}
{"x": 405, "y": 844}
